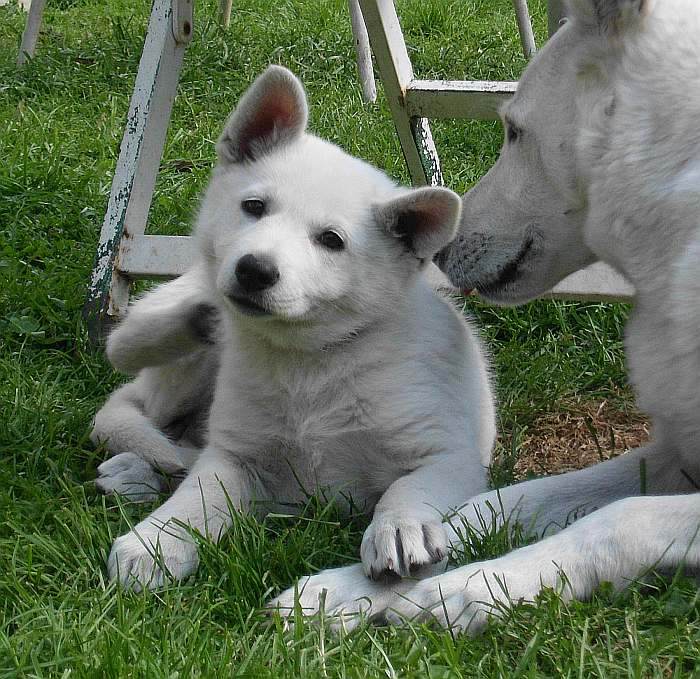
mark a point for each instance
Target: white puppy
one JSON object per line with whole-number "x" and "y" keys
{"x": 340, "y": 367}
{"x": 601, "y": 161}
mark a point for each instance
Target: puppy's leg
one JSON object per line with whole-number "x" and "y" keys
{"x": 160, "y": 546}
{"x": 130, "y": 476}
{"x": 616, "y": 544}
{"x": 167, "y": 323}
{"x": 407, "y": 530}
{"x": 417, "y": 500}
{"x": 123, "y": 425}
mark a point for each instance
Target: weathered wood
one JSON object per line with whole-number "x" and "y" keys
{"x": 362, "y": 52}
{"x": 473, "y": 99}
{"x": 162, "y": 257}
{"x": 139, "y": 159}
{"x": 225, "y": 12}
{"x": 155, "y": 257}
{"x": 183, "y": 21}
{"x": 24, "y": 4}
{"x": 30, "y": 35}
{"x": 597, "y": 282}
{"x": 527, "y": 37}
{"x": 126, "y": 253}
{"x": 396, "y": 72}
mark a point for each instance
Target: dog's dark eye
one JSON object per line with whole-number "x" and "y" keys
{"x": 513, "y": 133}
{"x": 330, "y": 240}
{"x": 254, "y": 207}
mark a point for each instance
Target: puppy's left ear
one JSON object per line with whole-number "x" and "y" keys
{"x": 424, "y": 220}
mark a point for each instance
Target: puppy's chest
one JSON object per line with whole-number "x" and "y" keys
{"x": 317, "y": 408}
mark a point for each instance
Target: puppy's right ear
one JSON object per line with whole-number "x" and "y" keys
{"x": 273, "y": 112}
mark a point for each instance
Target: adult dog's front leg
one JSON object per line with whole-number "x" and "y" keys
{"x": 616, "y": 544}
{"x": 407, "y": 530}
{"x": 547, "y": 504}
{"x": 161, "y": 546}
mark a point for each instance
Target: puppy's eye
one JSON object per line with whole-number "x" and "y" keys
{"x": 254, "y": 207}
{"x": 513, "y": 133}
{"x": 330, "y": 240}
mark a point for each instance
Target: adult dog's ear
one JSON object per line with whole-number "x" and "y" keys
{"x": 273, "y": 112}
{"x": 609, "y": 17}
{"x": 423, "y": 220}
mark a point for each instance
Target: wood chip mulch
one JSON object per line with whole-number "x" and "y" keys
{"x": 577, "y": 436}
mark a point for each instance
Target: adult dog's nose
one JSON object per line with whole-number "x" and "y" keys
{"x": 256, "y": 273}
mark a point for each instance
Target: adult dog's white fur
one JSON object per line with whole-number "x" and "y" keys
{"x": 601, "y": 161}
{"x": 339, "y": 367}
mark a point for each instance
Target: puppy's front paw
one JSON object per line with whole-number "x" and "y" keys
{"x": 148, "y": 557}
{"x": 399, "y": 544}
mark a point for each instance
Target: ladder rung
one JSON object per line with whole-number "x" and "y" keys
{"x": 476, "y": 99}
{"x": 155, "y": 256}
{"x": 597, "y": 282}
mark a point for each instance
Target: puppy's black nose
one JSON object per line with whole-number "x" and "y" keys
{"x": 255, "y": 273}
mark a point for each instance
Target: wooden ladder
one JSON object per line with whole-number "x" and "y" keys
{"x": 125, "y": 252}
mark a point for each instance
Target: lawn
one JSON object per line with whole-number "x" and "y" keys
{"x": 61, "y": 121}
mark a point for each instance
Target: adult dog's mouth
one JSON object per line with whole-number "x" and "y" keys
{"x": 509, "y": 272}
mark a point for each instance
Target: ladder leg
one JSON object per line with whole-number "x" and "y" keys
{"x": 527, "y": 37}
{"x": 362, "y": 51}
{"x": 31, "y": 31}
{"x": 139, "y": 156}
{"x": 396, "y": 74}
{"x": 225, "y": 12}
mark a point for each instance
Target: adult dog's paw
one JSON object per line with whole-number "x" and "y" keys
{"x": 146, "y": 558}
{"x": 461, "y": 600}
{"x": 129, "y": 475}
{"x": 465, "y": 598}
{"x": 399, "y": 544}
{"x": 344, "y": 596}
{"x": 572, "y": 562}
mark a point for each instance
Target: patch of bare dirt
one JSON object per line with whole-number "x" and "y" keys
{"x": 577, "y": 436}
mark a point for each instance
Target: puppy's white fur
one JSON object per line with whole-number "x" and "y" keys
{"x": 348, "y": 373}
{"x": 600, "y": 162}
{"x": 169, "y": 342}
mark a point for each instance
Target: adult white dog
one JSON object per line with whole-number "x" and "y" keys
{"x": 601, "y": 160}
{"x": 339, "y": 366}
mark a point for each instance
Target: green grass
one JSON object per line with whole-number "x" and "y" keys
{"x": 61, "y": 121}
